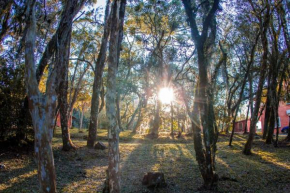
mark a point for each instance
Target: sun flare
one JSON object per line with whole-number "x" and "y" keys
{"x": 166, "y": 95}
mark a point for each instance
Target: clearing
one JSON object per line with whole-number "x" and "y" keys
{"x": 83, "y": 170}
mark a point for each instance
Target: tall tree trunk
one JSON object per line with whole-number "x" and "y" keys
{"x": 62, "y": 59}
{"x": 42, "y": 108}
{"x": 117, "y": 18}
{"x": 99, "y": 68}
{"x": 203, "y": 99}
{"x": 263, "y": 30}
{"x": 157, "y": 121}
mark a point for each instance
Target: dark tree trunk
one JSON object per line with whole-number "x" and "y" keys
{"x": 263, "y": 31}
{"x": 246, "y": 125}
{"x": 267, "y": 116}
{"x": 204, "y": 107}
{"x": 100, "y": 64}
{"x": 62, "y": 59}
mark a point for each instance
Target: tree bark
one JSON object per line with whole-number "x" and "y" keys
{"x": 63, "y": 60}
{"x": 99, "y": 68}
{"x": 117, "y": 16}
{"x": 42, "y": 108}
{"x": 204, "y": 107}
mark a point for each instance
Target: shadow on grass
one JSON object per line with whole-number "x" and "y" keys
{"x": 173, "y": 159}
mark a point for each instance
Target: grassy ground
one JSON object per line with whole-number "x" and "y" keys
{"x": 83, "y": 170}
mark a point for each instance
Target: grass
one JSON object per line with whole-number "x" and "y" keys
{"x": 83, "y": 170}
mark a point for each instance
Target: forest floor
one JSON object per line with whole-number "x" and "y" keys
{"x": 83, "y": 170}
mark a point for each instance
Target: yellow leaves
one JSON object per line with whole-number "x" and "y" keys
{"x": 42, "y": 82}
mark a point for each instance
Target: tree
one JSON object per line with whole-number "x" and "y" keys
{"x": 263, "y": 27}
{"x": 203, "y": 104}
{"x": 99, "y": 67}
{"x": 116, "y": 32}
{"x": 42, "y": 107}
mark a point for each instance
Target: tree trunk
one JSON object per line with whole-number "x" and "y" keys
{"x": 63, "y": 60}
{"x": 203, "y": 43}
{"x": 246, "y": 125}
{"x": 263, "y": 30}
{"x": 42, "y": 108}
{"x": 99, "y": 67}
{"x": 81, "y": 119}
{"x": 157, "y": 121}
{"x": 117, "y": 16}
{"x": 129, "y": 125}
{"x": 171, "y": 109}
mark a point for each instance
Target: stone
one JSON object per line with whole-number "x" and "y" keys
{"x": 100, "y": 146}
{"x": 154, "y": 180}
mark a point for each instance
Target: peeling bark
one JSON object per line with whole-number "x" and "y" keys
{"x": 42, "y": 108}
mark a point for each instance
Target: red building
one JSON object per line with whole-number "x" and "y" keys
{"x": 283, "y": 113}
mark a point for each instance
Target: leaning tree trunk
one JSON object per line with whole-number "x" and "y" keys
{"x": 117, "y": 18}
{"x": 42, "y": 108}
{"x": 99, "y": 68}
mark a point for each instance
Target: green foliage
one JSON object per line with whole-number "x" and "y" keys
{"x": 14, "y": 114}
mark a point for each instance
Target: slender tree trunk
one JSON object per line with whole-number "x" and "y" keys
{"x": 81, "y": 119}
{"x": 246, "y": 125}
{"x": 129, "y": 125}
{"x": 157, "y": 121}
{"x": 100, "y": 64}
{"x": 171, "y": 109}
{"x": 117, "y": 16}
{"x": 62, "y": 59}
{"x": 118, "y": 111}
{"x": 263, "y": 29}
{"x": 267, "y": 116}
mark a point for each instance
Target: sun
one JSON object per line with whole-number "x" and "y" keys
{"x": 166, "y": 95}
